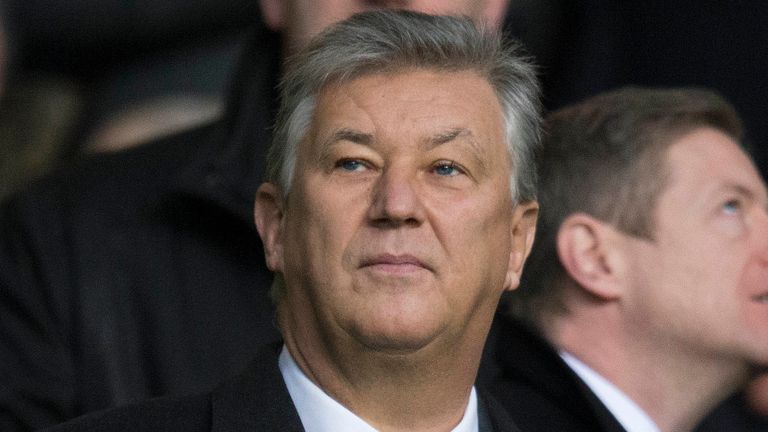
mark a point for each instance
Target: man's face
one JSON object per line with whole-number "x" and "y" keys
{"x": 702, "y": 283}
{"x": 300, "y": 20}
{"x": 400, "y": 229}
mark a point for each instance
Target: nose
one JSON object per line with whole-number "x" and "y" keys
{"x": 396, "y": 201}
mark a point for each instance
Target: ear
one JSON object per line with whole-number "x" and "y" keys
{"x": 522, "y": 233}
{"x": 585, "y": 246}
{"x": 273, "y": 14}
{"x": 268, "y": 214}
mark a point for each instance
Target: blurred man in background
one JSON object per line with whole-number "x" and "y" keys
{"x": 644, "y": 302}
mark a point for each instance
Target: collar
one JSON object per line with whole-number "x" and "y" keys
{"x": 255, "y": 400}
{"x": 321, "y": 413}
{"x": 626, "y": 411}
{"x": 519, "y": 361}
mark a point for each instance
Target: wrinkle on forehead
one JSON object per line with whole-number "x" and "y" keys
{"x": 365, "y": 101}
{"x": 460, "y": 135}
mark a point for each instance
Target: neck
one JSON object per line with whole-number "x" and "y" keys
{"x": 676, "y": 387}
{"x": 426, "y": 389}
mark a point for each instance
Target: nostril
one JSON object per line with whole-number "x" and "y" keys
{"x": 391, "y": 223}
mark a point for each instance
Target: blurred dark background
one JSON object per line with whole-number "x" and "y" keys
{"x": 711, "y": 43}
{"x": 112, "y": 64}
{"x": 86, "y": 37}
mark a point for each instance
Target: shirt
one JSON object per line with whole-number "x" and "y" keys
{"x": 321, "y": 413}
{"x": 626, "y": 411}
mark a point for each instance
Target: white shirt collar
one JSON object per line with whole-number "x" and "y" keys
{"x": 321, "y": 413}
{"x": 626, "y": 411}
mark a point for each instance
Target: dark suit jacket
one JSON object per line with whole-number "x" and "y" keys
{"x": 541, "y": 393}
{"x": 538, "y": 389}
{"x": 257, "y": 400}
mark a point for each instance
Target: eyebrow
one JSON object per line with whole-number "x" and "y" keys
{"x": 444, "y": 137}
{"x": 753, "y": 195}
{"x": 450, "y": 135}
{"x": 352, "y": 135}
{"x": 436, "y": 140}
{"x": 343, "y": 134}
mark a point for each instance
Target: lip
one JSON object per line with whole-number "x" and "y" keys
{"x": 395, "y": 263}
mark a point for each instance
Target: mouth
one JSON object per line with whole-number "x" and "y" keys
{"x": 390, "y": 263}
{"x": 763, "y": 298}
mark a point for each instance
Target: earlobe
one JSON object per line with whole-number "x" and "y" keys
{"x": 523, "y": 232}
{"x": 584, "y": 249}
{"x": 272, "y": 13}
{"x": 268, "y": 215}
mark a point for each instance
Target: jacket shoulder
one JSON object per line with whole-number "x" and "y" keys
{"x": 192, "y": 413}
{"x": 134, "y": 174}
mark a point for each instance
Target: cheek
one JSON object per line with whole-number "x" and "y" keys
{"x": 476, "y": 236}
{"x": 713, "y": 286}
{"x": 660, "y": 285}
{"x": 754, "y": 284}
{"x": 754, "y": 277}
{"x": 324, "y": 222}
{"x": 693, "y": 266}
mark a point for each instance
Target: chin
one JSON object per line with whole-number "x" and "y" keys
{"x": 401, "y": 324}
{"x": 398, "y": 341}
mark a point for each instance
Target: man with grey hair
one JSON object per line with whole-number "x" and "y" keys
{"x": 400, "y": 205}
{"x": 645, "y": 299}
{"x": 116, "y": 270}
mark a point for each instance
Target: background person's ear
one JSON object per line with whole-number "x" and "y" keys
{"x": 523, "y": 232}
{"x": 585, "y": 246}
{"x": 268, "y": 215}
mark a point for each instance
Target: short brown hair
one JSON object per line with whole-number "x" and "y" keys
{"x": 606, "y": 157}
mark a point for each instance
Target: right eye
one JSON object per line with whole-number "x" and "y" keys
{"x": 732, "y": 206}
{"x": 351, "y": 165}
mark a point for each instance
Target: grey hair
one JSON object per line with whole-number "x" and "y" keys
{"x": 387, "y": 41}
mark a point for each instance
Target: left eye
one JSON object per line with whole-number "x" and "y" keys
{"x": 447, "y": 169}
{"x": 351, "y": 165}
{"x": 732, "y": 206}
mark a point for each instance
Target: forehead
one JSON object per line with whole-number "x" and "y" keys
{"x": 411, "y": 105}
{"x": 707, "y": 160}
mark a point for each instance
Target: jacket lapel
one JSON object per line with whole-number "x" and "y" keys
{"x": 492, "y": 416}
{"x": 257, "y": 400}
{"x": 536, "y": 386}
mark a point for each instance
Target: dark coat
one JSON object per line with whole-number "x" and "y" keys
{"x": 542, "y": 393}
{"x": 140, "y": 273}
{"x": 538, "y": 389}
{"x": 257, "y": 400}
